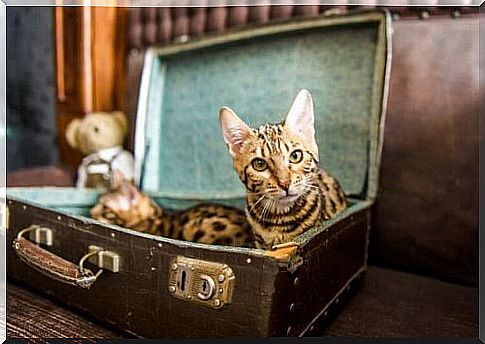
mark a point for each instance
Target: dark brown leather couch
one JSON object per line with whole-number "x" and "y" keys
{"x": 423, "y": 277}
{"x": 427, "y": 213}
{"x": 424, "y": 252}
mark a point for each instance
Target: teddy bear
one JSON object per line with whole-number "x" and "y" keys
{"x": 99, "y": 136}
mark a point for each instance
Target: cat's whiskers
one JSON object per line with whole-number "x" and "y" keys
{"x": 311, "y": 187}
{"x": 264, "y": 212}
{"x": 270, "y": 207}
{"x": 266, "y": 206}
{"x": 265, "y": 203}
{"x": 257, "y": 202}
{"x": 310, "y": 190}
{"x": 307, "y": 182}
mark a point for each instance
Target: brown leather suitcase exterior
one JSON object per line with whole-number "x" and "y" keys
{"x": 268, "y": 299}
{"x": 165, "y": 288}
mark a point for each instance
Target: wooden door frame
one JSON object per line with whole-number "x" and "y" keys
{"x": 90, "y": 46}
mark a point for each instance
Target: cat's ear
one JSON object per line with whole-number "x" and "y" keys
{"x": 300, "y": 120}
{"x": 234, "y": 130}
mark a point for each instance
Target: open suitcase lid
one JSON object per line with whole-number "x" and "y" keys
{"x": 343, "y": 60}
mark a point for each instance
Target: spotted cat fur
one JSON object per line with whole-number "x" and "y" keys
{"x": 287, "y": 191}
{"x": 214, "y": 224}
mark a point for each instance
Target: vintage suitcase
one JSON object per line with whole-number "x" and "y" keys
{"x": 164, "y": 288}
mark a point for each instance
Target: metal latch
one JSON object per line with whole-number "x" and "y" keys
{"x": 41, "y": 235}
{"x": 104, "y": 259}
{"x": 206, "y": 283}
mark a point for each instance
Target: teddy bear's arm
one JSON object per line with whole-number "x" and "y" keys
{"x": 124, "y": 163}
{"x": 81, "y": 176}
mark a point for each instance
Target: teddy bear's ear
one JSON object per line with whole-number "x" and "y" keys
{"x": 121, "y": 118}
{"x": 71, "y": 132}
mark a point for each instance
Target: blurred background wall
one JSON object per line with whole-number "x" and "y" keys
{"x": 31, "y": 128}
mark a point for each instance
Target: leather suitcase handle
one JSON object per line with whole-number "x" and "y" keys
{"x": 52, "y": 265}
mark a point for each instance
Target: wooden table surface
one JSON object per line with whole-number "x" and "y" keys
{"x": 32, "y": 315}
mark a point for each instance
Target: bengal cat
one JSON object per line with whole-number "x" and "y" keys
{"x": 212, "y": 224}
{"x": 287, "y": 192}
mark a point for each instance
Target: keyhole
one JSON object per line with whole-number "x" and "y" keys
{"x": 206, "y": 288}
{"x": 182, "y": 281}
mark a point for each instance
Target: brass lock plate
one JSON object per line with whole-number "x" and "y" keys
{"x": 202, "y": 282}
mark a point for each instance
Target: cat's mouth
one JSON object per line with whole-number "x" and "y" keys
{"x": 284, "y": 202}
{"x": 288, "y": 198}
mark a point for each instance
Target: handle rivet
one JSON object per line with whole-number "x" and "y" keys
{"x": 217, "y": 302}
{"x": 292, "y": 306}
{"x": 248, "y": 260}
{"x": 174, "y": 266}
{"x": 221, "y": 278}
{"x": 160, "y": 245}
{"x": 171, "y": 289}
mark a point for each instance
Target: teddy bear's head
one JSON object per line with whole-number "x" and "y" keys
{"x": 96, "y": 131}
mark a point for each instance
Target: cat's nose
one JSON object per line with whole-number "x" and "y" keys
{"x": 284, "y": 184}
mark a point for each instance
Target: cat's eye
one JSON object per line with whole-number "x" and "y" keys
{"x": 259, "y": 164}
{"x": 296, "y": 156}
